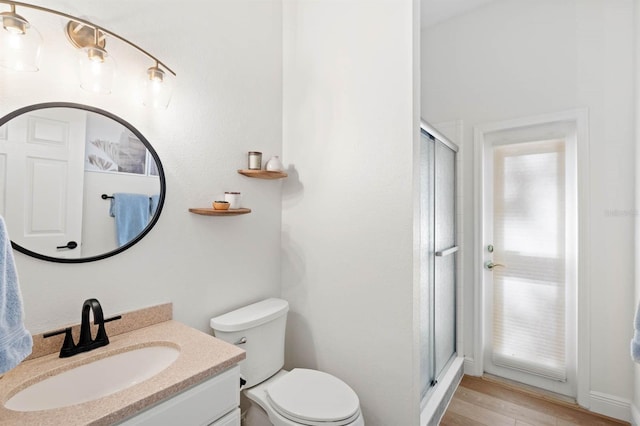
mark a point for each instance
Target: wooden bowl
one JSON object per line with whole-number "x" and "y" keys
{"x": 221, "y": 205}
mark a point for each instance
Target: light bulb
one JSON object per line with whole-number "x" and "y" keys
{"x": 157, "y": 90}
{"x": 97, "y": 69}
{"x": 20, "y": 43}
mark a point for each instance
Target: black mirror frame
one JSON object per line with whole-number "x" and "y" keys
{"x": 154, "y": 154}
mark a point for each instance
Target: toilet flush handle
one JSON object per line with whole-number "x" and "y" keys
{"x": 242, "y": 341}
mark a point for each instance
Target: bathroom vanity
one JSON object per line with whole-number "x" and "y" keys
{"x": 201, "y": 386}
{"x": 213, "y": 402}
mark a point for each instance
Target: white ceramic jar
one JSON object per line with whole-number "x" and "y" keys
{"x": 274, "y": 164}
{"x": 233, "y": 198}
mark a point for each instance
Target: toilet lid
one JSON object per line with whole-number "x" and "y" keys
{"x": 312, "y": 397}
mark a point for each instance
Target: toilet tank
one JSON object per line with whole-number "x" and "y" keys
{"x": 259, "y": 329}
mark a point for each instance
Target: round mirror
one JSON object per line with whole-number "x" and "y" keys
{"x": 77, "y": 183}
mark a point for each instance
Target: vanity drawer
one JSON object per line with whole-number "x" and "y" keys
{"x": 200, "y": 405}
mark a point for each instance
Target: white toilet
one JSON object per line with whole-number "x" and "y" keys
{"x": 279, "y": 397}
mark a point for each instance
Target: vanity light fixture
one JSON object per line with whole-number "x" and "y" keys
{"x": 157, "y": 90}
{"x": 97, "y": 66}
{"x": 20, "y": 42}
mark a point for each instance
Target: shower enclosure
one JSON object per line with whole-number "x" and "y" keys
{"x": 438, "y": 257}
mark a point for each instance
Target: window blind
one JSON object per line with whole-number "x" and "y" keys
{"x": 529, "y": 319}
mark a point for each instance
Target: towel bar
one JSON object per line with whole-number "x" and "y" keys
{"x": 447, "y": 252}
{"x": 107, "y": 197}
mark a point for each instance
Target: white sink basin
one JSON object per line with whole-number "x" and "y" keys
{"x": 94, "y": 380}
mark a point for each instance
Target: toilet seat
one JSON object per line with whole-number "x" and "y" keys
{"x": 313, "y": 398}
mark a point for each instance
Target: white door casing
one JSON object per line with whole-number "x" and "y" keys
{"x": 569, "y": 125}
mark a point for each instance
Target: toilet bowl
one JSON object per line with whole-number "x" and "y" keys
{"x": 276, "y": 396}
{"x": 305, "y": 397}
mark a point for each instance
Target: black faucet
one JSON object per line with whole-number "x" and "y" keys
{"x": 85, "y": 343}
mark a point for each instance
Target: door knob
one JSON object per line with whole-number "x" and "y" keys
{"x": 490, "y": 265}
{"x": 70, "y": 245}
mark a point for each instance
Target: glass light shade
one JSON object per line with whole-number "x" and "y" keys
{"x": 97, "y": 69}
{"x": 20, "y": 43}
{"x": 157, "y": 88}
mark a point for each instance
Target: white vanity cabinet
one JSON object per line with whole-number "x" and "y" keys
{"x": 213, "y": 402}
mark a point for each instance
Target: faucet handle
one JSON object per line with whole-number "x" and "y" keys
{"x": 68, "y": 346}
{"x": 101, "y": 336}
{"x": 55, "y": 333}
{"x": 117, "y": 317}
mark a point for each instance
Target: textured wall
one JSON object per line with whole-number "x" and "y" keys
{"x": 347, "y": 232}
{"x": 227, "y": 101}
{"x": 518, "y": 58}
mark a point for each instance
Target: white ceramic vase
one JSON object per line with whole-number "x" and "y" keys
{"x": 274, "y": 164}
{"x": 233, "y": 198}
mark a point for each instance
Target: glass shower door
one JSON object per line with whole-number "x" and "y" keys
{"x": 438, "y": 248}
{"x": 445, "y": 259}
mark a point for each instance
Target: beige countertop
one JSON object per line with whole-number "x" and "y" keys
{"x": 201, "y": 357}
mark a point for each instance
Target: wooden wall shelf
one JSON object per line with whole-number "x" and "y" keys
{"x": 262, "y": 174}
{"x": 213, "y": 212}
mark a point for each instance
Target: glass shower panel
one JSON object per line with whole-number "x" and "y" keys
{"x": 445, "y": 266}
{"x": 438, "y": 247}
{"x": 427, "y": 197}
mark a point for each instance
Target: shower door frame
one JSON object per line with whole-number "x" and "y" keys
{"x": 454, "y": 127}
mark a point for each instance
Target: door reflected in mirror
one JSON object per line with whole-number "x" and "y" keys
{"x": 77, "y": 183}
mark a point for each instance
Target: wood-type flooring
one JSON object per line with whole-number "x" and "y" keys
{"x": 486, "y": 401}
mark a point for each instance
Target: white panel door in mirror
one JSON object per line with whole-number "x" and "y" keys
{"x": 44, "y": 180}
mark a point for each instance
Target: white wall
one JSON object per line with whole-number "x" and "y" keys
{"x": 227, "y": 101}
{"x": 635, "y": 406}
{"x": 518, "y": 58}
{"x": 350, "y": 119}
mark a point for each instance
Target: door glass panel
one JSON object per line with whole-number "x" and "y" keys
{"x": 529, "y": 293}
{"x": 427, "y": 369}
{"x": 445, "y": 233}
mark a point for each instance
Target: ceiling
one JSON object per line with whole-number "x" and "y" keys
{"x": 435, "y": 11}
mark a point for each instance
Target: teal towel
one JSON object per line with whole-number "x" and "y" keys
{"x": 131, "y": 212}
{"x": 15, "y": 340}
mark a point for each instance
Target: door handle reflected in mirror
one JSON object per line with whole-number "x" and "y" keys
{"x": 70, "y": 245}
{"x": 490, "y": 265}
{"x": 136, "y": 162}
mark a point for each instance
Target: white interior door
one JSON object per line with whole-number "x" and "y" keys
{"x": 42, "y": 159}
{"x": 529, "y": 262}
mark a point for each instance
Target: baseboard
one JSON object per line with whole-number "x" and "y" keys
{"x": 470, "y": 367}
{"x": 612, "y": 406}
{"x": 635, "y": 415}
